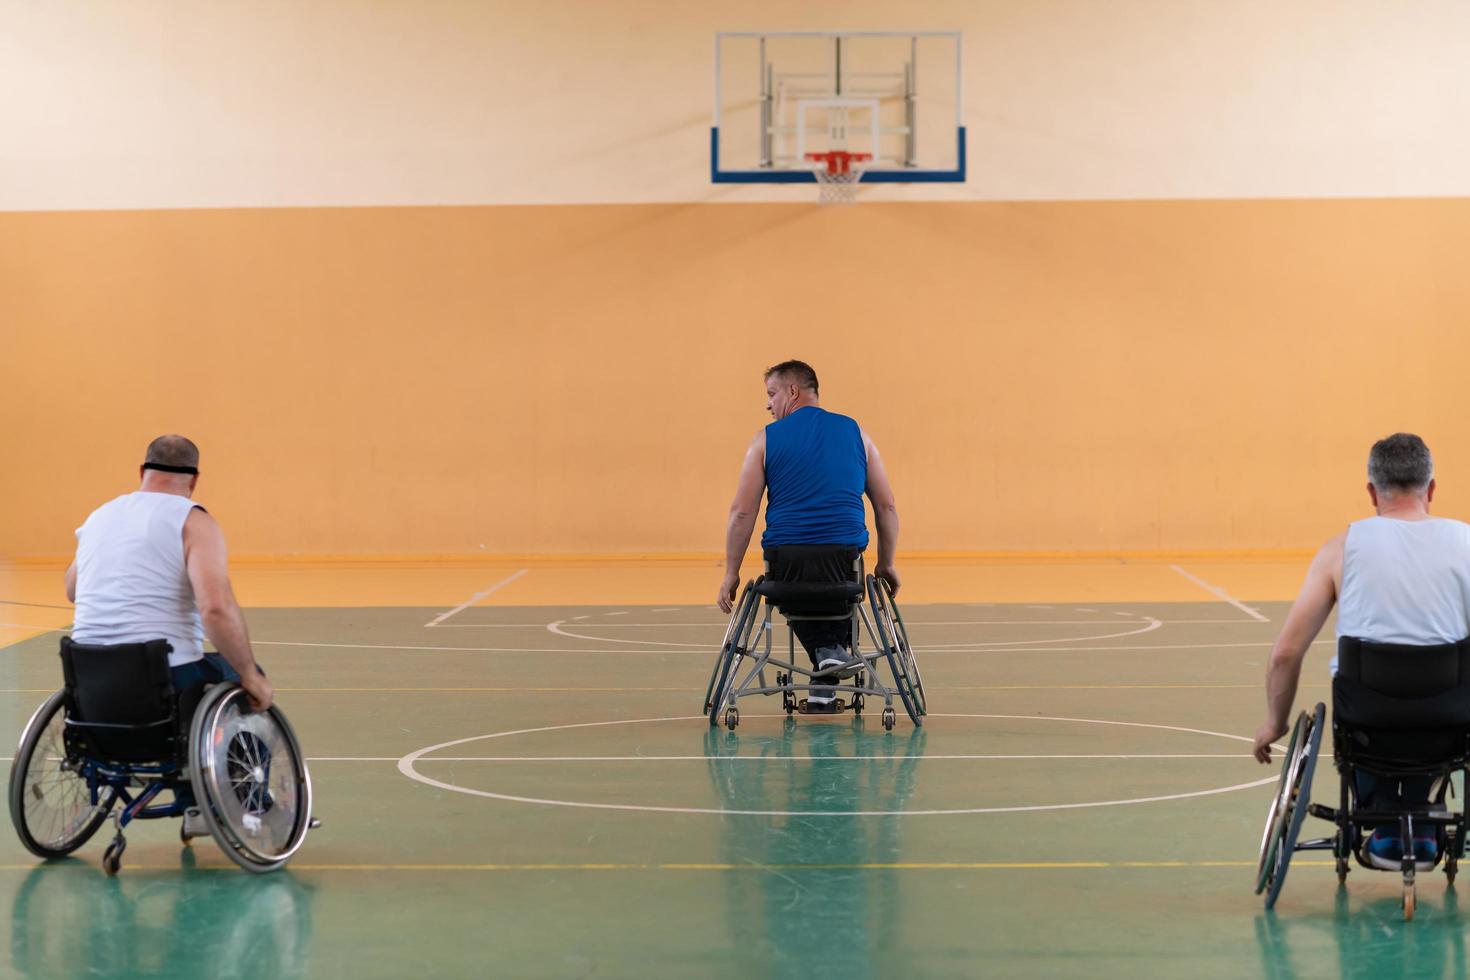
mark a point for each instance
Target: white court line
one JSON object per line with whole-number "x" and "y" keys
{"x": 1240, "y": 756}
{"x": 1149, "y": 625}
{"x": 1221, "y": 594}
{"x": 407, "y": 763}
{"x": 476, "y": 598}
{"x": 911, "y": 622}
{"x": 701, "y": 649}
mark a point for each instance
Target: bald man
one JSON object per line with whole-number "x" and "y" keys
{"x": 152, "y": 565}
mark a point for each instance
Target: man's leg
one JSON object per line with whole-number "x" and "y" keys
{"x": 827, "y": 642}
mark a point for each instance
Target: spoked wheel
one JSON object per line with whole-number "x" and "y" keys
{"x": 1289, "y": 805}
{"x": 732, "y": 647}
{"x": 250, "y": 779}
{"x": 50, "y": 804}
{"x": 895, "y": 639}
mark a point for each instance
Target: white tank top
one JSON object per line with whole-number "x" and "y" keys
{"x": 132, "y": 585}
{"x": 1405, "y": 582}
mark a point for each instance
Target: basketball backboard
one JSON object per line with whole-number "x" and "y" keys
{"x": 783, "y": 97}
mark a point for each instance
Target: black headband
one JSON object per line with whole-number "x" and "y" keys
{"x": 191, "y": 470}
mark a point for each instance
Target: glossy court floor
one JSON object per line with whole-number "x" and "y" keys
{"x": 515, "y": 781}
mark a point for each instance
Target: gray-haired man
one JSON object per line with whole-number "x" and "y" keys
{"x": 1401, "y": 577}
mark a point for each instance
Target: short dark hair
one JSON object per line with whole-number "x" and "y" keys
{"x": 799, "y": 372}
{"x": 1400, "y": 463}
{"x": 172, "y": 451}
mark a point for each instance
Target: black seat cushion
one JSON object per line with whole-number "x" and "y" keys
{"x": 120, "y": 700}
{"x": 1402, "y": 703}
{"x": 812, "y": 598}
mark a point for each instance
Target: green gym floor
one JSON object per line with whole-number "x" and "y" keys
{"x": 530, "y": 790}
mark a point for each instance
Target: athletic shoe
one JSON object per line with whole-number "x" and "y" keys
{"x": 1426, "y": 850}
{"x": 837, "y": 660}
{"x": 1384, "y": 850}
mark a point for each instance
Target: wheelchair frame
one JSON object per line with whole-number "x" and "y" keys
{"x": 743, "y": 635}
{"x": 136, "y": 785}
{"x": 1291, "y": 804}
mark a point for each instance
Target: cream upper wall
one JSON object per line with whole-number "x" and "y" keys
{"x": 162, "y": 104}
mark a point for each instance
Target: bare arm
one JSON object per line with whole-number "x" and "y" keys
{"x": 885, "y": 515}
{"x": 743, "y": 511}
{"x": 224, "y": 623}
{"x": 1308, "y": 613}
{"x": 71, "y": 582}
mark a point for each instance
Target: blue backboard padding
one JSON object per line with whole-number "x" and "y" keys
{"x": 771, "y": 176}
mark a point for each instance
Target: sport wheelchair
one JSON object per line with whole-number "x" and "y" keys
{"x": 117, "y": 735}
{"x": 1398, "y": 712}
{"x": 807, "y": 601}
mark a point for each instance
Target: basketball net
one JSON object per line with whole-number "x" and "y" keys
{"x": 838, "y": 173}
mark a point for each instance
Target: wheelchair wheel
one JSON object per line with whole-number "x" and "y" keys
{"x": 50, "y": 803}
{"x": 250, "y": 779}
{"x": 735, "y": 645}
{"x": 1289, "y": 806}
{"x": 894, "y": 637}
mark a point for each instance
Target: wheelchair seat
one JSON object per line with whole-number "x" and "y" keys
{"x": 120, "y": 701}
{"x": 811, "y": 598}
{"x": 1399, "y": 708}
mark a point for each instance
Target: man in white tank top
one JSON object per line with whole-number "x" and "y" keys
{"x": 152, "y": 565}
{"x": 1402, "y": 577}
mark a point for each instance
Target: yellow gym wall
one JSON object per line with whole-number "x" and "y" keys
{"x": 1072, "y": 376}
{"x": 450, "y": 278}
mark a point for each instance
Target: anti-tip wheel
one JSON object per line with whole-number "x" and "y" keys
{"x": 890, "y": 718}
{"x": 732, "y": 718}
{"x": 112, "y": 857}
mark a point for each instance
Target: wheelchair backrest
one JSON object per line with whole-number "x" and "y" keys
{"x": 120, "y": 700}
{"x": 1404, "y": 671}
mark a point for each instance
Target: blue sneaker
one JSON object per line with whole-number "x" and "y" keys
{"x": 1426, "y": 850}
{"x": 1384, "y": 850}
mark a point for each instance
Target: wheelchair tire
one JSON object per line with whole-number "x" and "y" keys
{"x": 893, "y": 635}
{"x": 1289, "y": 807}
{"x": 735, "y": 646}
{"x": 38, "y": 777}
{"x": 250, "y": 779}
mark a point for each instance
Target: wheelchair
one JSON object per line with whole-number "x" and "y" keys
{"x": 1398, "y": 712}
{"x": 117, "y": 735}
{"x": 748, "y": 646}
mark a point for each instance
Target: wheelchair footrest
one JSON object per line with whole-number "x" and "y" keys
{"x": 835, "y": 707}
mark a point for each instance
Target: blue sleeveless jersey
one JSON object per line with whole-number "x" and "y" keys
{"x": 816, "y": 471}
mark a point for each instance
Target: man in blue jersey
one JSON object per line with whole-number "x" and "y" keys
{"x": 814, "y": 467}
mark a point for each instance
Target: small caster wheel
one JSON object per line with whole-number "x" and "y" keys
{"x": 732, "y": 718}
{"x": 1342, "y": 870}
{"x": 183, "y": 837}
{"x": 857, "y": 704}
{"x": 112, "y": 857}
{"x": 1408, "y": 901}
{"x": 1449, "y": 874}
{"x": 890, "y": 718}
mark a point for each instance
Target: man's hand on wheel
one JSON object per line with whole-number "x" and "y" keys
{"x": 888, "y": 574}
{"x": 258, "y": 690}
{"x": 1269, "y": 732}
{"x": 727, "y": 591}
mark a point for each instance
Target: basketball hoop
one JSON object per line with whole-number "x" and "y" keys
{"x": 838, "y": 173}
